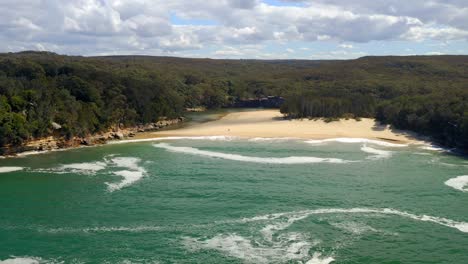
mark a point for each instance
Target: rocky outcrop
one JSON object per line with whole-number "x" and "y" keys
{"x": 54, "y": 142}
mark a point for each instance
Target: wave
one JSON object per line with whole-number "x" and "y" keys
{"x": 433, "y": 147}
{"x": 275, "y": 139}
{"x": 38, "y": 152}
{"x": 130, "y": 176}
{"x": 212, "y": 138}
{"x": 27, "y": 260}
{"x": 317, "y": 259}
{"x": 461, "y": 226}
{"x": 89, "y": 168}
{"x": 292, "y": 246}
{"x": 10, "y": 169}
{"x": 377, "y": 153}
{"x": 104, "y": 229}
{"x": 459, "y": 183}
{"x": 252, "y": 251}
{"x": 356, "y": 140}
{"x": 237, "y": 157}
{"x": 132, "y": 172}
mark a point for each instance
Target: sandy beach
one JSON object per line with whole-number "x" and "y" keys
{"x": 270, "y": 123}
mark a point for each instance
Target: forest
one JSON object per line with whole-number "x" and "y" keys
{"x": 43, "y": 91}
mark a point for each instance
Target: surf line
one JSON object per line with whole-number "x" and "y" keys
{"x": 237, "y": 157}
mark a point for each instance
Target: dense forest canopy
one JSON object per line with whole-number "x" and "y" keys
{"x": 85, "y": 95}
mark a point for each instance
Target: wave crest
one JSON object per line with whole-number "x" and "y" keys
{"x": 356, "y": 140}
{"x": 10, "y": 169}
{"x": 459, "y": 183}
{"x": 212, "y": 138}
{"x": 377, "y": 153}
{"x": 237, "y": 157}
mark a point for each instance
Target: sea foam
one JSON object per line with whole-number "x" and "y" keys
{"x": 129, "y": 170}
{"x": 10, "y": 169}
{"x": 377, "y": 153}
{"x": 89, "y": 168}
{"x": 252, "y": 251}
{"x": 237, "y": 157}
{"x": 459, "y": 183}
{"x": 212, "y": 138}
{"x": 461, "y": 226}
{"x": 103, "y": 229}
{"x": 130, "y": 176}
{"x": 27, "y": 260}
{"x": 356, "y": 140}
{"x": 318, "y": 259}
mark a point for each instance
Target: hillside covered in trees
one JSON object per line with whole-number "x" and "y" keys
{"x": 85, "y": 95}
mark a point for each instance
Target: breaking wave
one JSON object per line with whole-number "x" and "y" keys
{"x": 130, "y": 176}
{"x": 10, "y": 169}
{"x": 129, "y": 170}
{"x": 237, "y": 157}
{"x": 104, "y": 229}
{"x": 461, "y": 226}
{"x": 28, "y": 260}
{"x": 377, "y": 153}
{"x": 89, "y": 168}
{"x": 356, "y": 140}
{"x": 293, "y": 246}
{"x": 275, "y": 139}
{"x": 212, "y": 138}
{"x": 459, "y": 183}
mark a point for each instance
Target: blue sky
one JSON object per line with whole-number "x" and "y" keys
{"x": 255, "y": 29}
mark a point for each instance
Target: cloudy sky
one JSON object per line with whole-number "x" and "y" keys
{"x": 262, "y": 29}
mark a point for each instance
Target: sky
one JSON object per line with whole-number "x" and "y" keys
{"x": 234, "y": 29}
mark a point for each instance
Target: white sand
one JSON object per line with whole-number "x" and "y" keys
{"x": 269, "y": 123}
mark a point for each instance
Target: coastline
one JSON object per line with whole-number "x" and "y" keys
{"x": 257, "y": 124}
{"x": 270, "y": 124}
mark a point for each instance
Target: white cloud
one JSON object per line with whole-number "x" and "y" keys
{"x": 346, "y": 46}
{"x": 147, "y": 26}
{"x": 435, "y": 53}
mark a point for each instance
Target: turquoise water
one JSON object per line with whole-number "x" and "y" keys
{"x": 219, "y": 200}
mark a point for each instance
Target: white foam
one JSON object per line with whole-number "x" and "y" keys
{"x": 104, "y": 229}
{"x": 237, "y": 157}
{"x": 22, "y": 260}
{"x": 459, "y": 183}
{"x": 130, "y": 176}
{"x": 461, "y": 226}
{"x": 356, "y": 140}
{"x": 251, "y": 251}
{"x": 89, "y": 168}
{"x": 283, "y": 248}
{"x": 129, "y": 167}
{"x": 10, "y": 169}
{"x": 354, "y": 227}
{"x": 38, "y": 152}
{"x": 127, "y": 162}
{"x": 277, "y": 139}
{"x": 271, "y": 248}
{"x": 433, "y": 147}
{"x": 377, "y": 153}
{"x": 212, "y": 138}
{"x": 317, "y": 259}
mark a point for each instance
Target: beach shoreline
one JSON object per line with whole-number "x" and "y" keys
{"x": 269, "y": 123}
{"x": 264, "y": 124}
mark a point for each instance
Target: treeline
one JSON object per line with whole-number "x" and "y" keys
{"x": 43, "y": 93}
{"x": 428, "y": 95}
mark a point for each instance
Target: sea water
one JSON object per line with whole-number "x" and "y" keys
{"x": 231, "y": 200}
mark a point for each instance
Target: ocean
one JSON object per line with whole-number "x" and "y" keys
{"x": 232, "y": 200}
